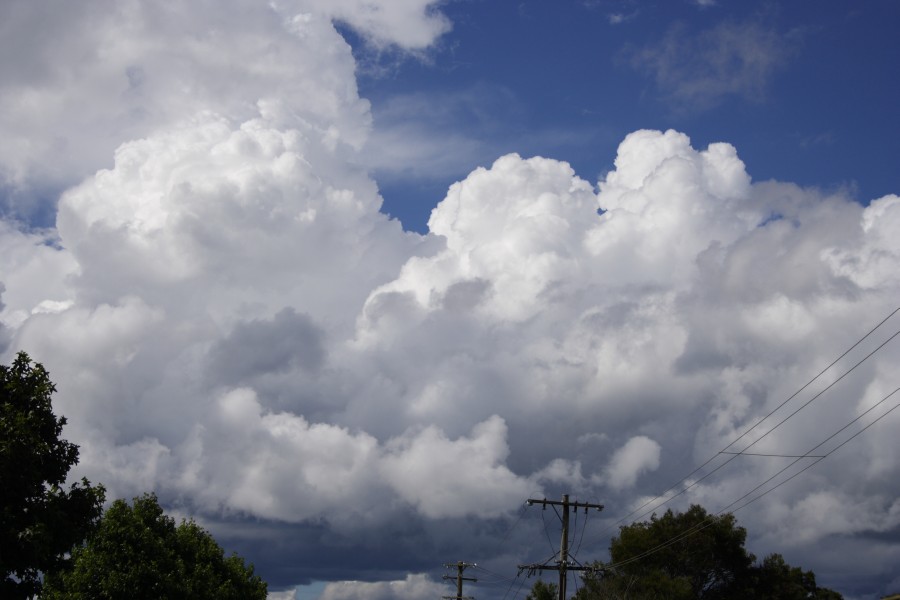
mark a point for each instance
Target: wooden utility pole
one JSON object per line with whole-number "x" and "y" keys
{"x": 562, "y": 565}
{"x": 460, "y": 567}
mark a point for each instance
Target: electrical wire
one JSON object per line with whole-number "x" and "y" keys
{"x": 820, "y": 458}
{"x": 773, "y": 455}
{"x": 776, "y": 426}
{"x": 544, "y": 521}
{"x": 710, "y": 521}
{"x": 497, "y": 575}
{"x": 733, "y": 455}
{"x": 519, "y": 591}
{"x": 511, "y": 584}
{"x": 757, "y": 424}
{"x": 583, "y": 529}
{"x": 522, "y": 510}
{"x": 573, "y": 528}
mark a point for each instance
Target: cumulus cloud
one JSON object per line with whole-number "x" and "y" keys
{"x": 414, "y": 586}
{"x": 638, "y": 455}
{"x": 101, "y": 75}
{"x": 411, "y": 24}
{"x": 264, "y": 343}
{"x": 418, "y": 467}
{"x": 232, "y": 322}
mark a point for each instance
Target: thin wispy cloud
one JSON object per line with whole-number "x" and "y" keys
{"x": 695, "y": 71}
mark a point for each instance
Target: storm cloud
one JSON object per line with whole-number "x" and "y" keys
{"x": 232, "y": 322}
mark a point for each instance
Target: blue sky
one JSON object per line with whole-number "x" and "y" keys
{"x": 622, "y": 233}
{"x": 805, "y": 95}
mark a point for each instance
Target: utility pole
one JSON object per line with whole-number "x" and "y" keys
{"x": 460, "y": 567}
{"x": 562, "y": 565}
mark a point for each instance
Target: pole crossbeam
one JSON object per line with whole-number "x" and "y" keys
{"x": 564, "y": 502}
{"x": 562, "y": 565}
{"x": 460, "y": 567}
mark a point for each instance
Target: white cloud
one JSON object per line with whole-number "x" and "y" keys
{"x": 515, "y": 226}
{"x": 247, "y": 348}
{"x": 232, "y": 322}
{"x": 697, "y": 70}
{"x": 638, "y": 455}
{"x": 413, "y": 587}
{"x": 33, "y": 270}
{"x": 411, "y": 24}
{"x": 441, "y": 477}
{"x": 217, "y": 202}
{"x": 132, "y": 68}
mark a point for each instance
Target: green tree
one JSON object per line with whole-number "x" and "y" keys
{"x": 774, "y": 578}
{"x": 543, "y": 591}
{"x": 40, "y": 522}
{"x": 694, "y": 555}
{"x": 138, "y": 553}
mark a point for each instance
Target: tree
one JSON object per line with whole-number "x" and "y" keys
{"x": 40, "y": 522}
{"x": 543, "y": 591}
{"x": 138, "y": 552}
{"x": 694, "y": 555}
{"x": 774, "y": 578}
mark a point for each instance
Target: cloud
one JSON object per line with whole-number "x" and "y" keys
{"x": 434, "y": 138}
{"x": 426, "y": 135}
{"x": 287, "y": 341}
{"x": 418, "y": 467}
{"x": 414, "y": 586}
{"x": 639, "y": 454}
{"x": 264, "y": 344}
{"x": 231, "y": 321}
{"x": 410, "y": 24}
{"x": 619, "y": 18}
{"x": 698, "y": 70}
{"x": 33, "y": 270}
{"x": 135, "y": 68}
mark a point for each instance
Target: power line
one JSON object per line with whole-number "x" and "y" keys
{"x": 772, "y": 455}
{"x": 758, "y": 423}
{"x": 819, "y": 458}
{"x": 506, "y": 535}
{"x": 499, "y": 577}
{"x": 518, "y": 591}
{"x": 733, "y": 455}
{"x": 546, "y": 532}
{"x": 583, "y": 529}
{"x": 709, "y": 522}
{"x": 460, "y": 567}
{"x": 776, "y": 426}
{"x": 562, "y": 565}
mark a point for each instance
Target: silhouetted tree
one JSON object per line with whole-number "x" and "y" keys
{"x": 40, "y": 521}
{"x": 543, "y": 591}
{"x": 138, "y": 553}
{"x": 694, "y": 554}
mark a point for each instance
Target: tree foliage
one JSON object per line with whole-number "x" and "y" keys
{"x": 39, "y": 520}
{"x": 543, "y": 591}
{"x": 774, "y": 578}
{"x": 138, "y": 552}
{"x": 694, "y": 555}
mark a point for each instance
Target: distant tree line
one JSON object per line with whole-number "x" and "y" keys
{"x": 59, "y": 544}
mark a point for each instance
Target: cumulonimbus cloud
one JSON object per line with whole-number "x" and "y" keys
{"x": 232, "y": 322}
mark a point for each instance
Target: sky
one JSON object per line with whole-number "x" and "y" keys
{"x": 348, "y": 281}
